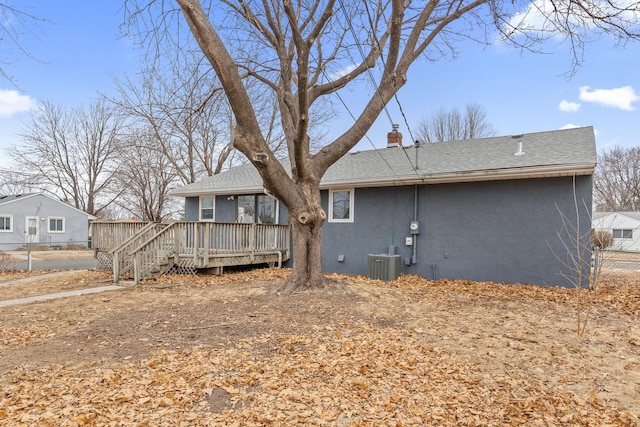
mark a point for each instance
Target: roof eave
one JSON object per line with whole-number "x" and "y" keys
{"x": 472, "y": 176}
{"x": 440, "y": 178}
{"x": 229, "y": 191}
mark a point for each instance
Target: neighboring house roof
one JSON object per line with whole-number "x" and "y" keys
{"x": 543, "y": 154}
{"x": 632, "y": 215}
{"x": 6, "y": 200}
{"x": 615, "y": 220}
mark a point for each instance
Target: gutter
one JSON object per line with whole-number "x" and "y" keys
{"x": 436, "y": 178}
{"x": 471, "y": 176}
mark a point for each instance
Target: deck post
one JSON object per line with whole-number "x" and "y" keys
{"x": 177, "y": 243}
{"x": 116, "y": 268}
{"x": 136, "y": 269}
{"x": 196, "y": 241}
{"x": 207, "y": 244}
{"x": 252, "y": 242}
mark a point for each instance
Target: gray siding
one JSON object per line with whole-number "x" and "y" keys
{"x": 76, "y": 223}
{"x": 501, "y": 231}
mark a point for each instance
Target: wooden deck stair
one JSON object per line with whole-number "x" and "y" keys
{"x": 186, "y": 247}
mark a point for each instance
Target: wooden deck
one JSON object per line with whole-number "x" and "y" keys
{"x": 145, "y": 250}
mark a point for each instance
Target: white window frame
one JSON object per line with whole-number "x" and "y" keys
{"x": 351, "y": 192}
{"x": 10, "y": 230}
{"x": 201, "y": 198}
{"x": 64, "y": 225}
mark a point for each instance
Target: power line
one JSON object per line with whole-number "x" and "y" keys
{"x": 373, "y": 82}
{"x": 386, "y": 71}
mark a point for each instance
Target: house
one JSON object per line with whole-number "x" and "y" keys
{"x": 40, "y": 219}
{"x": 499, "y": 209}
{"x": 623, "y": 226}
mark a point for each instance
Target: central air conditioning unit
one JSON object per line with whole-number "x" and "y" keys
{"x": 384, "y": 267}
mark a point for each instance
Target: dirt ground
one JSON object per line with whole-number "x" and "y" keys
{"x": 225, "y": 350}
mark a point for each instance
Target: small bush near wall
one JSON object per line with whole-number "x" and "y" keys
{"x": 601, "y": 239}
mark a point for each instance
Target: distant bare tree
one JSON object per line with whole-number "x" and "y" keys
{"x": 71, "y": 153}
{"x": 187, "y": 113}
{"x": 13, "y": 21}
{"x": 145, "y": 178}
{"x": 12, "y": 182}
{"x": 185, "y": 106}
{"x": 454, "y": 125}
{"x": 616, "y": 181}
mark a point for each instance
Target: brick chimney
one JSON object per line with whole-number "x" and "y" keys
{"x": 394, "y": 138}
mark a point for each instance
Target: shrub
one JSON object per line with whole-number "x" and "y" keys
{"x": 601, "y": 239}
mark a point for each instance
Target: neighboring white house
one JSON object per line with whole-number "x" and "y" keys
{"x": 38, "y": 218}
{"x": 623, "y": 226}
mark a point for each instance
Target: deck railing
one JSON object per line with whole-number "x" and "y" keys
{"x": 106, "y": 236}
{"x": 122, "y": 254}
{"x": 199, "y": 242}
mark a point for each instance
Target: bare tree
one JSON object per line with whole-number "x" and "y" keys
{"x": 71, "y": 153}
{"x": 145, "y": 178}
{"x": 12, "y": 182}
{"x": 616, "y": 180}
{"x": 186, "y": 109}
{"x": 310, "y": 50}
{"x": 13, "y": 21}
{"x": 454, "y": 125}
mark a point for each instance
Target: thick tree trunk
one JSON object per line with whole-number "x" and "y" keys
{"x": 306, "y": 226}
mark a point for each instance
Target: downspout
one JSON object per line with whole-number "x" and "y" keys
{"x": 414, "y": 257}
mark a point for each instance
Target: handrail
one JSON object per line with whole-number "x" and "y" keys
{"x": 203, "y": 240}
{"x": 119, "y": 254}
{"x": 107, "y": 235}
{"x": 133, "y": 237}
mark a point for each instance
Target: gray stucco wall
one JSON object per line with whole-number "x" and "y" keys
{"x": 502, "y": 231}
{"x": 76, "y": 223}
{"x": 191, "y": 208}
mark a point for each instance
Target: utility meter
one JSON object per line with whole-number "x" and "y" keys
{"x": 414, "y": 227}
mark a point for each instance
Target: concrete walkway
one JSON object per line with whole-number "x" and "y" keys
{"x": 34, "y": 277}
{"x": 58, "y": 295}
{"x": 45, "y": 297}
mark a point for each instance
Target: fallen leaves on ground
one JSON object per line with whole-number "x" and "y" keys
{"x": 445, "y": 353}
{"x": 356, "y": 375}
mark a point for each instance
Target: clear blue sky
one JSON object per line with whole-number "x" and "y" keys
{"x": 80, "y": 51}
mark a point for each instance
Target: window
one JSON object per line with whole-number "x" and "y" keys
{"x": 6, "y": 223}
{"x": 622, "y": 233}
{"x": 56, "y": 224}
{"x": 257, "y": 208}
{"x": 207, "y": 208}
{"x": 341, "y": 205}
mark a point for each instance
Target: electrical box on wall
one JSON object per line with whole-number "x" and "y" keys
{"x": 408, "y": 241}
{"x": 414, "y": 227}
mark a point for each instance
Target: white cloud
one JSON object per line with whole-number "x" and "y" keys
{"x": 572, "y": 126}
{"x": 622, "y": 97}
{"x": 11, "y": 102}
{"x": 568, "y": 106}
{"x": 343, "y": 72}
{"x": 569, "y": 126}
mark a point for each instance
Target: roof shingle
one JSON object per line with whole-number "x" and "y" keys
{"x": 552, "y": 153}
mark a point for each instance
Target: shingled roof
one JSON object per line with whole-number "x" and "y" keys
{"x": 534, "y": 155}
